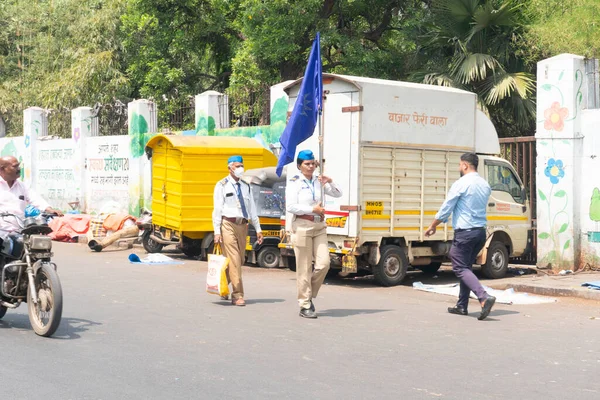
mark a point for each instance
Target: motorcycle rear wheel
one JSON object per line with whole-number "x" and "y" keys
{"x": 2, "y": 311}
{"x": 45, "y": 321}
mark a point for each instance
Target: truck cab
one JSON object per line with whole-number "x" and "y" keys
{"x": 268, "y": 191}
{"x": 508, "y": 214}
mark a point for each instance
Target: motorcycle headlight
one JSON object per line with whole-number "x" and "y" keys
{"x": 39, "y": 242}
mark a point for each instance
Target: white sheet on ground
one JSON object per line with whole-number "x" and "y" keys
{"x": 155, "y": 258}
{"x": 508, "y": 296}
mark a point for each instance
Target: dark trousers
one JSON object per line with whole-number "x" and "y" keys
{"x": 463, "y": 253}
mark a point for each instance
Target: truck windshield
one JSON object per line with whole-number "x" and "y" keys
{"x": 502, "y": 178}
{"x": 270, "y": 201}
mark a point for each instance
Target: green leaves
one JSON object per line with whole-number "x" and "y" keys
{"x": 567, "y": 244}
{"x": 72, "y": 54}
{"x": 543, "y": 235}
{"x": 560, "y": 193}
{"x": 558, "y": 26}
{"x": 474, "y": 45}
{"x": 563, "y": 228}
{"x": 542, "y": 195}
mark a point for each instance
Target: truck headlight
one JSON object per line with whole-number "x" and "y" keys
{"x": 39, "y": 242}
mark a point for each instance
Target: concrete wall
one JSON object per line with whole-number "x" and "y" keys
{"x": 95, "y": 174}
{"x": 568, "y": 148}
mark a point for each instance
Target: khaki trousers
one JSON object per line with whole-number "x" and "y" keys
{"x": 234, "y": 248}
{"x": 310, "y": 245}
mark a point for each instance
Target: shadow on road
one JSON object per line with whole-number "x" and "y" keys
{"x": 264, "y": 301}
{"x": 494, "y": 313}
{"x": 342, "y": 312}
{"x": 444, "y": 276}
{"x": 249, "y": 302}
{"x": 70, "y": 328}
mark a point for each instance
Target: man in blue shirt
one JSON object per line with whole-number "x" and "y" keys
{"x": 467, "y": 202}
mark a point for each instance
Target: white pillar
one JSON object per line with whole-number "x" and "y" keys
{"x": 142, "y": 120}
{"x": 561, "y": 98}
{"x": 83, "y": 126}
{"x": 279, "y": 112}
{"x": 212, "y": 112}
{"x": 35, "y": 125}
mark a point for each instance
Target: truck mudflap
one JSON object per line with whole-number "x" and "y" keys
{"x": 529, "y": 248}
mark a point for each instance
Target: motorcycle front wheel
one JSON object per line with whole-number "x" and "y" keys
{"x": 45, "y": 315}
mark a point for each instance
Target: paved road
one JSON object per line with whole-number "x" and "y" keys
{"x": 151, "y": 332}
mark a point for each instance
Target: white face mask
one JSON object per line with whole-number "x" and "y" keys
{"x": 238, "y": 172}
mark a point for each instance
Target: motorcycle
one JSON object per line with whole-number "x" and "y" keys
{"x": 29, "y": 275}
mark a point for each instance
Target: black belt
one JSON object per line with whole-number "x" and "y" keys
{"x": 480, "y": 228}
{"x": 308, "y": 217}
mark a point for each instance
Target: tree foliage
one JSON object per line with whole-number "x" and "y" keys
{"x": 559, "y": 26}
{"x": 68, "y": 53}
{"x": 477, "y": 45}
{"x": 60, "y": 53}
{"x": 358, "y": 37}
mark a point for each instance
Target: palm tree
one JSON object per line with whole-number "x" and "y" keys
{"x": 476, "y": 45}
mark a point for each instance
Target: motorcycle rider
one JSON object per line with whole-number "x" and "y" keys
{"x": 16, "y": 196}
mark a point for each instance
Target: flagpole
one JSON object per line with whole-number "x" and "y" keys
{"x": 321, "y": 145}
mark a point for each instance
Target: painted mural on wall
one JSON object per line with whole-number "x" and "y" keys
{"x": 57, "y": 181}
{"x": 108, "y": 174}
{"x": 205, "y": 126}
{"x": 138, "y": 132}
{"x": 266, "y": 135}
{"x": 556, "y": 233}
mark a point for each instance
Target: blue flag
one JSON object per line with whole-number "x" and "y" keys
{"x": 306, "y": 110}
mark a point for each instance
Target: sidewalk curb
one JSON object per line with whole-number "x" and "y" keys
{"x": 582, "y": 293}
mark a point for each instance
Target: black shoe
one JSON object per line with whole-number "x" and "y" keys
{"x": 312, "y": 306}
{"x": 457, "y": 310}
{"x": 307, "y": 313}
{"x": 487, "y": 307}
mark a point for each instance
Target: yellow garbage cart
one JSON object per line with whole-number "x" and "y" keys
{"x": 185, "y": 170}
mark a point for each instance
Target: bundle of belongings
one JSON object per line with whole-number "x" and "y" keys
{"x": 69, "y": 227}
{"x": 106, "y": 229}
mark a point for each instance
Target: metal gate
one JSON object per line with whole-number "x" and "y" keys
{"x": 521, "y": 153}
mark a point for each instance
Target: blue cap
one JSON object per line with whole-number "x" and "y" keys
{"x": 235, "y": 159}
{"x": 306, "y": 155}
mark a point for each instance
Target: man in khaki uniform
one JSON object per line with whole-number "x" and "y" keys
{"x": 233, "y": 208}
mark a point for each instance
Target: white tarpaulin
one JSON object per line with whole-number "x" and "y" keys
{"x": 508, "y": 296}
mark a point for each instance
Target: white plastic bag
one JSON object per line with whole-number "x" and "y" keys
{"x": 216, "y": 278}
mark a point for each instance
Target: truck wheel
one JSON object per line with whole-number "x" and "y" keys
{"x": 496, "y": 264}
{"x": 149, "y": 244}
{"x": 290, "y": 262}
{"x": 269, "y": 257}
{"x": 192, "y": 248}
{"x": 392, "y": 266}
{"x": 430, "y": 269}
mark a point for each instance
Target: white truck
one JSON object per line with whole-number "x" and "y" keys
{"x": 394, "y": 147}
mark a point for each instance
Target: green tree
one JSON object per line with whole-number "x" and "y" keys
{"x": 60, "y": 53}
{"x": 564, "y": 27}
{"x": 177, "y": 48}
{"x": 477, "y": 45}
{"x": 367, "y": 38}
